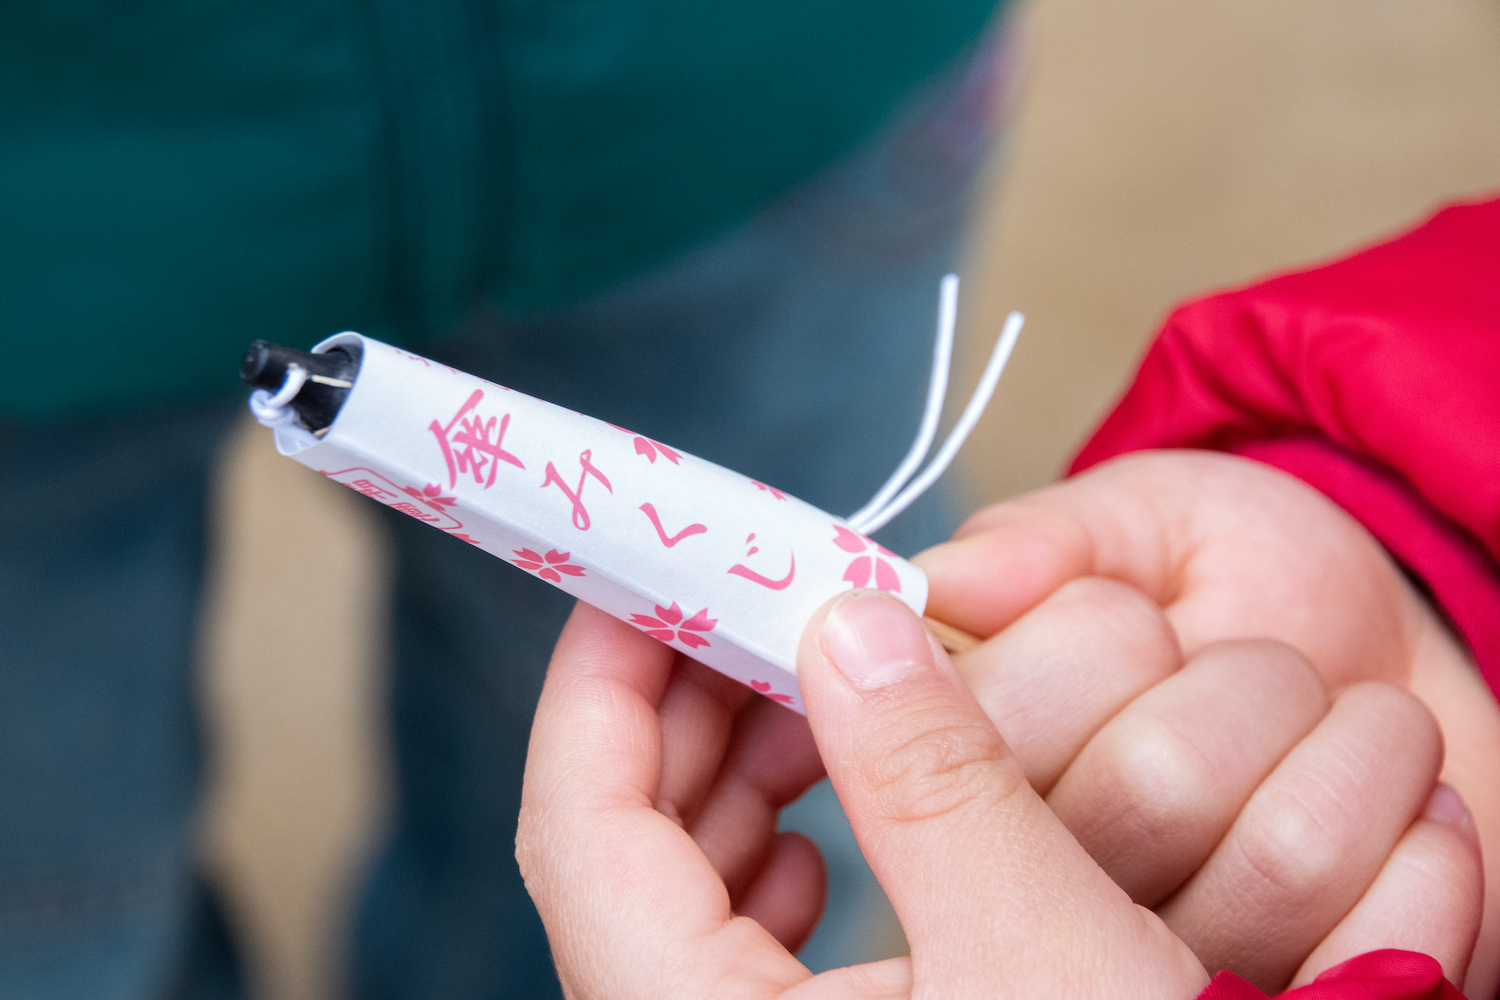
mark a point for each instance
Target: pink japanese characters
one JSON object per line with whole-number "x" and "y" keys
{"x": 721, "y": 567}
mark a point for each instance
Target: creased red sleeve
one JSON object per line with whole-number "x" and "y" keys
{"x": 1376, "y": 380}
{"x": 1376, "y": 975}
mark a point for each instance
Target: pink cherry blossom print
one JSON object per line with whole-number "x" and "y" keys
{"x": 432, "y": 496}
{"x": 765, "y": 688}
{"x": 650, "y": 448}
{"x": 669, "y": 625}
{"x": 778, "y": 494}
{"x": 427, "y": 505}
{"x": 552, "y": 566}
{"x": 428, "y": 364}
{"x": 861, "y": 570}
{"x": 848, "y": 540}
{"x": 408, "y": 355}
{"x": 858, "y": 572}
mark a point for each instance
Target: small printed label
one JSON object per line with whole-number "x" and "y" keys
{"x": 428, "y": 505}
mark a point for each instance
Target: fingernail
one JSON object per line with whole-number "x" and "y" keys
{"x": 1446, "y": 806}
{"x": 875, "y": 640}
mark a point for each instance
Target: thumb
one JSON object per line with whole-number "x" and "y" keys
{"x": 994, "y": 894}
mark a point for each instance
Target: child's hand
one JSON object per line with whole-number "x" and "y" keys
{"x": 647, "y": 829}
{"x": 1226, "y": 549}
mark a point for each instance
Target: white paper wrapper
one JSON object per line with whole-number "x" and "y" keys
{"x": 717, "y": 565}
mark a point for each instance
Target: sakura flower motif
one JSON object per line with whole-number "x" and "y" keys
{"x": 861, "y": 570}
{"x": 778, "y": 494}
{"x": 668, "y": 625}
{"x": 432, "y": 496}
{"x": 765, "y": 688}
{"x": 549, "y": 566}
{"x": 649, "y": 448}
{"x": 646, "y": 446}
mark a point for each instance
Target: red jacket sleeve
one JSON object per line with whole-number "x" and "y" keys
{"x": 1376, "y": 380}
{"x": 1377, "y": 975}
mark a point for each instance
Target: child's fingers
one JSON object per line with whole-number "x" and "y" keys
{"x": 632, "y": 907}
{"x": 769, "y": 762}
{"x": 1154, "y": 792}
{"x": 730, "y": 761}
{"x": 786, "y": 895}
{"x": 1312, "y": 838}
{"x": 1230, "y": 547}
{"x": 1064, "y": 668}
{"x": 1428, "y": 898}
{"x": 1006, "y": 559}
{"x": 696, "y": 716}
{"x": 996, "y": 898}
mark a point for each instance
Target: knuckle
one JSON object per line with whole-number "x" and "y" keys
{"x": 1157, "y": 782}
{"x": 1123, "y": 608}
{"x": 1394, "y": 716}
{"x": 1379, "y": 749}
{"x": 945, "y": 767}
{"x": 1272, "y": 662}
{"x": 1292, "y": 852}
{"x": 1117, "y": 617}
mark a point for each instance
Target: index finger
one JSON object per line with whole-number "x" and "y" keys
{"x": 1231, "y": 548}
{"x": 631, "y": 905}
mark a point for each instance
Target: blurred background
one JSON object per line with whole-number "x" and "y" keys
{"x": 1159, "y": 148}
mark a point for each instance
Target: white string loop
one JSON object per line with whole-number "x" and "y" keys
{"x": 937, "y": 389}
{"x": 888, "y": 502}
{"x": 273, "y": 410}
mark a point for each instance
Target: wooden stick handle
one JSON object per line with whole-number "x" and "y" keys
{"x": 954, "y": 640}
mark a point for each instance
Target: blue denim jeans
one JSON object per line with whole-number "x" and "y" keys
{"x": 101, "y": 565}
{"x": 794, "y": 348}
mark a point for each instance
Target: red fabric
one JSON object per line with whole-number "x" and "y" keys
{"x": 1376, "y": 975}
{"x": 1376, "y": 380}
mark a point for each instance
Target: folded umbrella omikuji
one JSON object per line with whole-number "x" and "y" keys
{"x": 726, "y": 569}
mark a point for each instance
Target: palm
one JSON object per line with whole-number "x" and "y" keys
{"x": 647, "y": 829}
{"x": 1221, "y": 548}
{"x": 689, "y": 848}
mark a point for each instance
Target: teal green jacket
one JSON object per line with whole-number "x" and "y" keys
{"x": 178, "y": 177}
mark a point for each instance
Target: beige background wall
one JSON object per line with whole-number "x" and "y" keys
{"x": 1159, "y": 148}
{"x": 1165, "y": 147}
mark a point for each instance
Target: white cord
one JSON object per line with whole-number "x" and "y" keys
{"x": 937, "y": 389}
{"x": 872, "y": 522}
{"x": 273, "y": 411}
